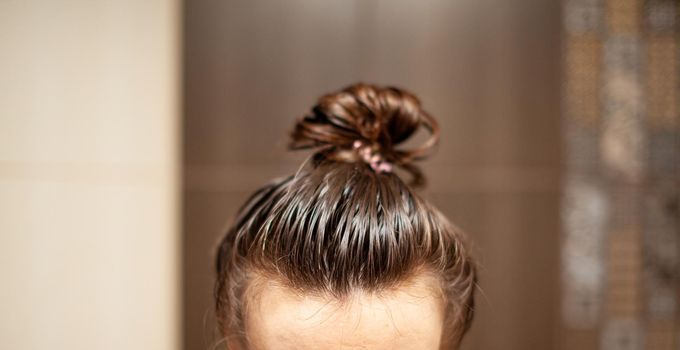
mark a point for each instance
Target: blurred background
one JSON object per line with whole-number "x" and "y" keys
{"x": 489, "y": 71}
{"x": 131, "y": 131}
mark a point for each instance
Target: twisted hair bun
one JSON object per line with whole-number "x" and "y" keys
{"x": 365, "y": 114}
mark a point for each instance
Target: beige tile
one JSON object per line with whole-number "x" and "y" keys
{"x": 90, "y": 265}
{"x": 94, "y": 88}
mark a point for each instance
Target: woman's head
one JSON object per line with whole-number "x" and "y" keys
{"x": 346, "y": 240}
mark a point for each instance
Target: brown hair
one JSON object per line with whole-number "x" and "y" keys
{"x": 340, "y": 223}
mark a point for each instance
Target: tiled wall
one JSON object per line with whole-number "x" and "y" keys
{"x": 89, "y": 151}
{"x": 620, "y": 253}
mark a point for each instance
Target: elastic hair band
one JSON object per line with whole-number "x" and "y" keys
{"x": 375, "y": 160}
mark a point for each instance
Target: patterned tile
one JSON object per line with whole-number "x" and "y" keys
{"x": 621, "y": 205}
{"x": 582, "y": 79}
{"x": 584, "y": 213}
{"x": 624, "y": 275}
{"x": 661, "y": 15}
{"x": 624, "y": 16}
{"x": 622, "y": 334}
{"x": 582, "y": 16}
{"x": 661, "y": 336}
{"x": 583, "y": 149}
{"x": 664, "y": 153}
{"x": 623, "y": 134}
{"x": 626, "y": 207}
{"x": 663, "y": 79}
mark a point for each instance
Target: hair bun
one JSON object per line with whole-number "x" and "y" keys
{"x": 366, "y": 114}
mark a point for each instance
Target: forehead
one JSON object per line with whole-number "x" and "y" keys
{"x": 408, "y": 317}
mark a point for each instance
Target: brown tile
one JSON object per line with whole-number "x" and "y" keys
{"x": 661, "y": 336}
{"x": 663, "y": 94}
{"x": 624, "y": 16}
{"x": 583, "y": 64}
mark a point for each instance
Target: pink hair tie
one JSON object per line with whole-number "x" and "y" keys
{"x": 375, "y": 160}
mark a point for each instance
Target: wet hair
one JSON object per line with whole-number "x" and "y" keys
{"x": 342, "y": 222}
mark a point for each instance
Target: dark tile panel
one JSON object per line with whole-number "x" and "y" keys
{"x": 206, "y": 216}
{"x": 516, "y": 236}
